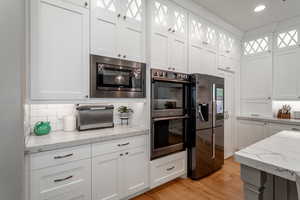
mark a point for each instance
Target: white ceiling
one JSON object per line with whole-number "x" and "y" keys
{"x": 240, "y": 13}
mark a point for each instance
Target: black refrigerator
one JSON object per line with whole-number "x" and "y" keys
{"x": 205, "y": 139}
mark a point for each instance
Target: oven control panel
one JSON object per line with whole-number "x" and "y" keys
{"x": 168, "y": 75}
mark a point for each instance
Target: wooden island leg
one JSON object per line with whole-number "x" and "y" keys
{"x": 258, "y": 185}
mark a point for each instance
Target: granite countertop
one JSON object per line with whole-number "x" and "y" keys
{"x": 61, "y": 139}
{"x": 262, "y": 118}
{"x": 277, "y": 155}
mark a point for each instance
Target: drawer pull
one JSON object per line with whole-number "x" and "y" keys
{"x": 125, "y": 144}
{"x": 65, "y": 156}
{"x": 63, "y": 179}
{"x": 171, "y": 168}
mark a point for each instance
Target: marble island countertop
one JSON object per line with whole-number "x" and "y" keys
{"x": 278, "y": 155}
{"x": 270, "y": 119}
{"x": 61, "y": 139}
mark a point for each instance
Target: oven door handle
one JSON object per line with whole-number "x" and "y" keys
{"x": 170, "y": 118}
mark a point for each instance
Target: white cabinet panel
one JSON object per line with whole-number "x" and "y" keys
{"x": 160, "y": 54}
{"x": 64, "y": 182}
{"x": 118, "y": 29}
{"x": 276, "y": 128}
{"x": 119, "y": 174}
{"x": 256, "y": 78}
{"x": 167, "y": 168}
{"x": 104, "y": 27}
{"x": 286, "y": 70}
{"x": 250, "y": 132}
{"x": 106, "y": 177}
{"x": 178, "y": 55}
{"x": 168, "y": 36}
{"x": 59, "y": 51}
{"x": 135, "y": 170}
{"x": 208, "y": 64}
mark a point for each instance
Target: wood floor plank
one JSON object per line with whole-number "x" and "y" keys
{"x": 225, "y": 184}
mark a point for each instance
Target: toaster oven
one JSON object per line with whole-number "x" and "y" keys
{"x": 94, "y": 117}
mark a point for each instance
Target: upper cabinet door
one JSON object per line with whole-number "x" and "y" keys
{"x": 196, "y": 32}
{"x": 256, "y": 77}
{"x": 286, "y": 74}
{"x": 132, "y": 34}
{"x": 59, "y": 51}
{"x": 210, "y": 37}
{"x": 160, "y": 34}
{"x": 105, "y": 16}
{"x": 178, "y": 56}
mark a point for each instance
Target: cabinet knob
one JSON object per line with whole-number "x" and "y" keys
{"x": 173, "y": 31}
{"x": 170, "y": 29}
{"x": 126, "y": 153}
{"x": 174, "y": 68}
{"x": 119, "y": 55}
{"x": 124, "y": 56}
{"x": 86, "y": 4}
{"x": 119, "y": 15}
{"x": 121, "y": 154}
{"x": 86, "y": 96}
{"x": 124, "y": 17}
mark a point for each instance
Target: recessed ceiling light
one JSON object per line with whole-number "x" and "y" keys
{"x": 260, "y": 8}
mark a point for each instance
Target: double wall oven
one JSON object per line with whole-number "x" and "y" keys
{"x": 169, "y": 112}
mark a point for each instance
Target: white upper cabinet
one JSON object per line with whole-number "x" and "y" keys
{"x": 169, "y": 36}
{"x": 118, "y": 29}
{"x": 229, "y": 52}
{"x": 202, "y": 54}
{"x": 286, "y": 75}
{"x": 59, "y": 32}
{"x": 256, "y": 77}
{"x": 286, "y": 65}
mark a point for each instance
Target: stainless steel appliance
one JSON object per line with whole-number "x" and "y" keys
{"x": 116, "y": 78}
{"x": 169, "y": 112}
{"x": 206, "y": 129}
{"x": 94, "y": 117}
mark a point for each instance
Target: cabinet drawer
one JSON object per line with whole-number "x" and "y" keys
{"x": 67, "y": 181}
{"x": 61, "y": 156}
{"x": 167, "y": 168}
{"x": 117, "y": 145}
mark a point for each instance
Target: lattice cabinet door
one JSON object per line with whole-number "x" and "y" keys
{"x": 210, "y": 37}
{"x": 287, "y": 39}
{"x": 132, "y": 34}
{"x": 105, "y": 17}
{"x": 196, "y": 31}
{"x": 178, "y": 19}
{"x": 160, "y": 34}
{"x": 161, "y": 16}
{"x": 178, "y": 51}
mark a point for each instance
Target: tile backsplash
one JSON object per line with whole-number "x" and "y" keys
{"x": 55, "y": 113}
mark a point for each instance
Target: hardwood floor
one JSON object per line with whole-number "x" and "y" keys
{"x": 225, "y": 184}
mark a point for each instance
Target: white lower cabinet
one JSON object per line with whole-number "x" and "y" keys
{"x": 64, "y": 182}
{"x": 250, "y": 132}
{"x": 121, "y": 174}
{"x": 112, "y": 170}
{"x": 167, "y": 168}
{"x": 276, "y": 128}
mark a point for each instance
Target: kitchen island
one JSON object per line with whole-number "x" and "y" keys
{"x": 270, "y": 168}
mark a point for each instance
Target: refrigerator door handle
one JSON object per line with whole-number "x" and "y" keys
{"x": 200, "y": 113}
{"x": 214, "y": 105}
{"x": 214, "y": 146}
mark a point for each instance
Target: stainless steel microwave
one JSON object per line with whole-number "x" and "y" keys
{"x": 116, "y": 78}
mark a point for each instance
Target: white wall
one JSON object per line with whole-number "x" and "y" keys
{"x": 12, "y": 39}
